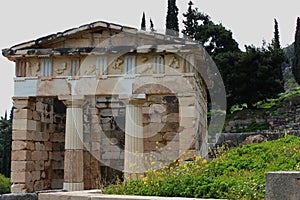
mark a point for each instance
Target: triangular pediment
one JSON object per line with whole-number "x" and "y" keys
{"x": 79, "y": 37}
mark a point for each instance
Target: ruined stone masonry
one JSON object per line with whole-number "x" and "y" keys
{"x": 104, "y": 102}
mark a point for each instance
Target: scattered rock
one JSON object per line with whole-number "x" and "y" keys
{"x": 255, "y": 139}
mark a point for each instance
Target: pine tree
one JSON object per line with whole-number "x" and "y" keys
{"x": 143, "y": 24}
{"x": 296, "y": 64}
{"x": 276, "y": 42}
{"x": 172, "y": 26}
{"x": 152, "y": 26}
{"x": 190, "y": 23}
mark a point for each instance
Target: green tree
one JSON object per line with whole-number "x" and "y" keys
{"x": 172, "y": 26}
{"x": 248, "y": 76}
{"x": 143, "y": 24}
{"x": 190, "y": 23}
{"x": 5, "y": 145}
{"x": 276, "y": 41}
{"x": 296, "y": 63}
{"x": 214, "y": 37}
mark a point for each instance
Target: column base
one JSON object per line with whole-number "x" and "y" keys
{"x": 73, "y": 186}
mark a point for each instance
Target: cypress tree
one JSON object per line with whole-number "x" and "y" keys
{"x": 296, "y": 63}
{"x": 190, "y": 23}
{"x": 152, "y": 26}
{"x": 143, "y": 24}
{"x": 276, "y": 42}
{"x": 172, "y": 26}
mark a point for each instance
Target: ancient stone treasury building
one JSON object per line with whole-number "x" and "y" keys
{"x": 103, "y": 102}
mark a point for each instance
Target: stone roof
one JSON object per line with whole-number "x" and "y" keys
{"x": 72, "y": 31}
{"x": 31, "y": 47}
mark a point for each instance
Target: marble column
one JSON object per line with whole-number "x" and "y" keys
{"x": 73, "y": 166}
{"x": 134, "y": 148}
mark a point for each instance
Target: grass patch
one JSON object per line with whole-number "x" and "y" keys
{"x": 4, "y": 184}
{"x": 237, "y": 174}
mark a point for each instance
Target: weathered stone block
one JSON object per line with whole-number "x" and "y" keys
{"x": 36, "y": 116}
{"x": 283, "y": 185}
{"x": 39, "y": 165}
{"x": 38, "y": 185}
{"x": 22, "y": 135}
{"x": 21, "y": 145}
{"x": 39, "y": 155}
{"x": 23, "y": 114}
{"x": 172, "y": 117}
{"x": 48, "y": 146}
{"x": 57, "y": 183}
{"x": 21, "y": 177}
{"x": 31, "y": 196}
{"x": 22, "y": 166}
{"x": 58, "y": 137}
{"x": 187, "y": 101}
{"x": 39, "y": 146}
{"x": 23, "y": 104}
{"x": 22, "y": 155}
{"x": 18, "y": 188}
{"x": 171, "y": 127}
{"x": 56, "y": 155}
{"x": 58, "y": 146}
{"x": 58, "y": 164}
{"x": 24, "y": 124}
{"x": 154, "y": 138}
{"x": 187, "y": 111}
{"x": 36, "y": 175}
{"x": 41, "y": 136}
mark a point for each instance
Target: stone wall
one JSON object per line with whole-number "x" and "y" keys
{"x": 284, "y": 119}
{"x": 161, "y": 130}
{"x": 104, "y": 139}
{"x": 38, "y": 144}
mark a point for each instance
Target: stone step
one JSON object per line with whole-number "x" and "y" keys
{"x": 97, "y": 195}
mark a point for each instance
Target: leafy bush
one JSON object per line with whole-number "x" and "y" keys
{"x": 237, "y": 174}
{"x": 4, "y": 184}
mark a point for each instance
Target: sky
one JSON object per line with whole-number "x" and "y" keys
{"x": 250, "y": 21}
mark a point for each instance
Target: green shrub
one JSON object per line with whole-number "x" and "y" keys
{"x": 237, "y": 174}
{"x": 4, "y": 184}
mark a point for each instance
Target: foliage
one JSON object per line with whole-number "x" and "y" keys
{"x": 276, "y": 41}
{"x": 4, "y": 184}
{"x": 152, "y": 26}
{"x": 172, "y": 26}
{"x": 237, "y": 174}
{"x": 143, "y": 24}
{"x": 5, "y": 145}
{"x": 248, "y": 76}
{"x": 296, "y": 63}
{"x": 270, "y": 103}
{"x": 190, "y": 24}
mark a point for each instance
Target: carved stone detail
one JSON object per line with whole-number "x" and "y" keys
{"x": 117, "y": 63}
{"x": 145, "y": 59}
{"x": 61, "y": 68}
{"x": 33, "y": 69}
{"x": 174, "y": 62}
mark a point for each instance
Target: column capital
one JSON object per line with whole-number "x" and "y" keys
{"x": 23, "y": 102}
{"x": 72, "y": 101}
